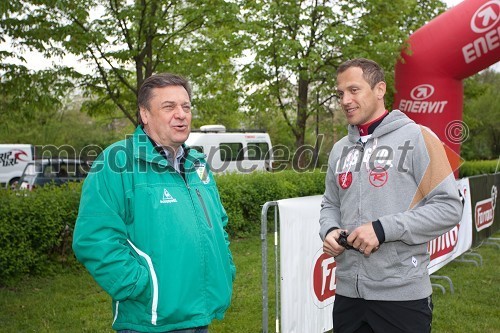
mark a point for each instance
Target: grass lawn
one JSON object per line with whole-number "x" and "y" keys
{"x": 72, "y": 302}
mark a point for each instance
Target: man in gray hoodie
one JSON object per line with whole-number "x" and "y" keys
{"x": 390, "y": 188}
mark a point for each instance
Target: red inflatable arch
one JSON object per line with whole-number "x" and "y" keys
{"x": 455, "y": 45}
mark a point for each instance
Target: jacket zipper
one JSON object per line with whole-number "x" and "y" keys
{"x": 357, "y": 285}
{"x": 204, "y": 208}
{"x": 360, "y": 188}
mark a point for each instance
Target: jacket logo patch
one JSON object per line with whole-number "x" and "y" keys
{"x": 167, "y": 197}
{"x": 414, "y": 261}
{"x": 202, "y": 172}
{"x": 378, "y": 177}
{"x": 345, "y": 180}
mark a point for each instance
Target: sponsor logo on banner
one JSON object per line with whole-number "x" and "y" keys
{"x": 444, "y": 244}
{"x": 323, "y": 279}
{"x": 485, "y": 211}
{"x": 422, "y": 92}
{"x": 485, "y": 22}
{"x": 419, "y": 102}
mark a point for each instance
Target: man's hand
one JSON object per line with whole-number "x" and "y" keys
{"x": 330, "y": 245}
{"x": 364, "y": 239}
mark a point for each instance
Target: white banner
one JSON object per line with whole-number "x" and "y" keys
{"x": 456, "y": 241}
{"x": 308, "y": 275}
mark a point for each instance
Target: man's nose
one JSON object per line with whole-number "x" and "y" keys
{"x": 179, "y": 112}
{"x": 346, "y": 98}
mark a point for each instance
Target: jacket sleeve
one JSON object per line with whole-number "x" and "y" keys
{"x": 100, "y": 237}
{"x": 436, "y": 206}
{"x": 330, "y": 205}
{"x": 226, "y": 236}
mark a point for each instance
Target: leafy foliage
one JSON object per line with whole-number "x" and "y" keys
{"x": 127, "y": 41}
{"x": 244, "y": 194}
{"x": 34, "y": 228}
{"x": 473, "y": 168}
{"x": 482, "y": 116}
{"x": 282, "y": 54}
{"x": 26, "y": 95}
{"x": 299, "y": 44}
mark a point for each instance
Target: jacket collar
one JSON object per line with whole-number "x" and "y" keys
{"x": 144, "y": 149}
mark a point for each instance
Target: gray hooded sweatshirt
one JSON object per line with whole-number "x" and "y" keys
{"x": 401, "y": 177}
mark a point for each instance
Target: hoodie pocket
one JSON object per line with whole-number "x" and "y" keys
{"x": 384, "y": 263}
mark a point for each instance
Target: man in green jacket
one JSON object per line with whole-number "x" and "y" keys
{"x": 150, "y": 228}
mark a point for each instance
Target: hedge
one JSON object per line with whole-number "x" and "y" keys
{"x": 35, "y": 227}
{"x": 244, "y": 195}
{"x": 473, "y": 168}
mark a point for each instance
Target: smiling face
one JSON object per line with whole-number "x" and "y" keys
{"x": 361, "y": 103}
{"x": 167, "y": 120}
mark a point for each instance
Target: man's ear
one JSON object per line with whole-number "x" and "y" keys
{"x": 144, "y": 113}
{"x": 380, "y": 89}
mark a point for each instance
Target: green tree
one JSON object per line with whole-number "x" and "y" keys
{"x": 124, "y": 42}
{"x": 43, "y": 115}
{"x": 298, "y": 45}
{"x": 29, "y": 100}
{"x": 482, "y": 116}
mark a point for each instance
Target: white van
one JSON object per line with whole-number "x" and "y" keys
{"x": 233, "y": 151}
{"x": 13, "y": 160}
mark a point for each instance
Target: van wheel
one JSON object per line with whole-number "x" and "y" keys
{"x": 13, "y": 183}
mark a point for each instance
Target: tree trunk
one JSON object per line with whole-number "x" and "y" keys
{"x": 300, "y": 124}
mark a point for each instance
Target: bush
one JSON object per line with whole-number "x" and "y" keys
{"x": 243, "y": 195}
{"x": 35, "y": 228}
{"x": 473, "y": 168}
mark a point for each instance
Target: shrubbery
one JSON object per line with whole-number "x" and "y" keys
{"x": 244, "y": 195}
{"x": 36, "y": 227}
{"x": 474, "y": 168}
{"x": 33, "y": 228}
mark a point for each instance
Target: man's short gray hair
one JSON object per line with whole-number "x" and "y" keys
{"x": 159, "y": 81}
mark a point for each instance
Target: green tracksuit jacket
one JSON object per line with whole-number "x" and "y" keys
{"x": 153, "y": 240}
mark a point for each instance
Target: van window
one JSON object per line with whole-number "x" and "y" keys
{"x": 63, "y": 171}
{"x": 49, "y": 171}
{"x": 83, "y": 170}
{"x": 71, "y": 170}
{"x": 257, "y": 150}
{"x": 231, "y": 151}
{"x": 30, "y": 170}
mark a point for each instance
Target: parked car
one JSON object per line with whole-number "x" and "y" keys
{"x": 56, "y": 171}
